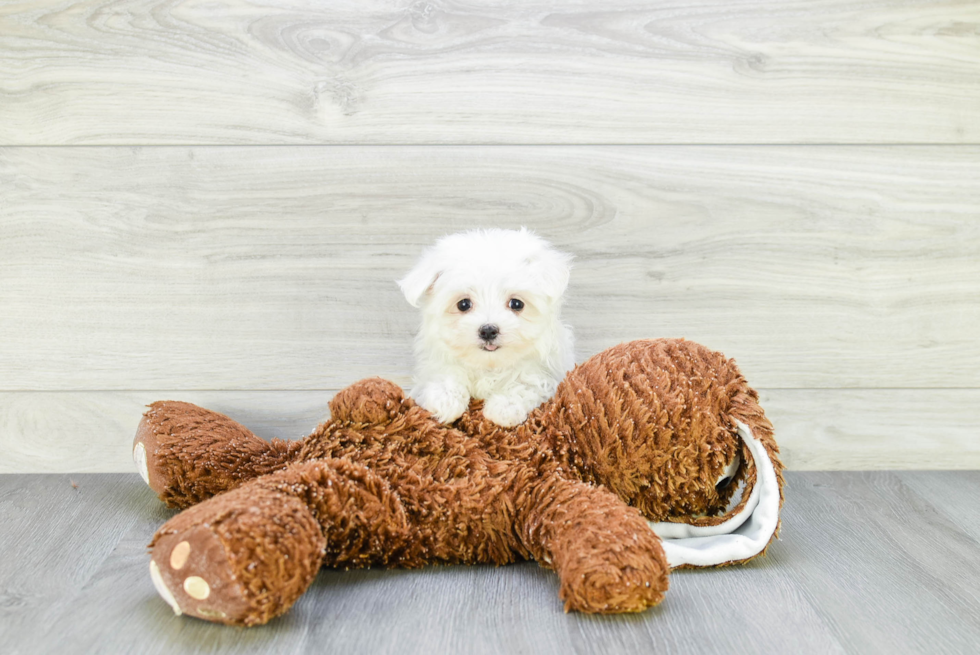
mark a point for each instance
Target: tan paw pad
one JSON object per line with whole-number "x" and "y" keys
{"x": 178, "y": 556}
{"x": 197, "y": 587}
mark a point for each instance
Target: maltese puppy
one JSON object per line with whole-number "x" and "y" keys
{"x": 490, "y": 302}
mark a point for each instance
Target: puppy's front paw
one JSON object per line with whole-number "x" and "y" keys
{"x": 446, "y": 401}
{"x": 504, "y": 411}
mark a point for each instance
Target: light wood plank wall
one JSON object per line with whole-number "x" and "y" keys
{"x": 796, "y": 184}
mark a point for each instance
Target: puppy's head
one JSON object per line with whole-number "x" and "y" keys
{"x": 489, "y": 297}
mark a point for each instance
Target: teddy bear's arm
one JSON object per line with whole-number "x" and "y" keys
{"x": 245, "y": 556}
{"x": 607, "y": 558}
{"x": 188, "y": 454}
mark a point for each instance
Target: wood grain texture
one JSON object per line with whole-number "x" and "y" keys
{"x": 68, "y": 432}
{"x": 876, "y": 429}
{"x": 842, "y": 429}
{"x": 57, "y": 532}
{"x": 960, "y": 507}
{"x": 420, "y": 72}
{"x": 274, "y": 268}
{"x": 859, "y": 557}
{"x": 885, "y": 570}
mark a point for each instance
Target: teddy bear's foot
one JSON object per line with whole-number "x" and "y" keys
{"x": 613, "y": 582}
{"x": 190, "y": 570}
{"x": 615, "y": 572}
{"x": 239, "y": 558}
{"x": 247, "y": 555}
{"x": 608, "y": 560}
{"x": 188, "y": 454}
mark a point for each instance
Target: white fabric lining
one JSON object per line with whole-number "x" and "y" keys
{"x": 743, "y": 536}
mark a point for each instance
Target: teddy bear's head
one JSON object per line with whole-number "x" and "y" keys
{"x": 651, "y": 423}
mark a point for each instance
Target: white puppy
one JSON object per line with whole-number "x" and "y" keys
{"x": 490, "y": 303}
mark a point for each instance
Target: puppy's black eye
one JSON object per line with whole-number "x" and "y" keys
{"x": 464, "y": 305}
{"x": 515, "y": 304}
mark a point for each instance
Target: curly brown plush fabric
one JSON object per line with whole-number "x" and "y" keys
{"x": 640, "y": 431}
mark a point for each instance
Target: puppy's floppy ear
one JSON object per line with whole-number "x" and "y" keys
{"x": 420, "y": 279}
{"x": 549, "y": 271}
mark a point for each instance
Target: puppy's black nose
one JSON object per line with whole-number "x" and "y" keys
{"x": 488, "y": 332}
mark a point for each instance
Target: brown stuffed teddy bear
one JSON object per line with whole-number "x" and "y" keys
{"x": 644, "y": 439}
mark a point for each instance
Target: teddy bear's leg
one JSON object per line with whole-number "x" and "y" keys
{"x": 607, "y": 558}
{"x": 246, "y": 556}
{"x": 188, "y": 454}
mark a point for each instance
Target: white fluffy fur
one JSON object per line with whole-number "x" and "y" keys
{"x": 533, "y": 349}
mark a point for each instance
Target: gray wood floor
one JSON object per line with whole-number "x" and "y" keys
{"x": 878, "y": 562}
